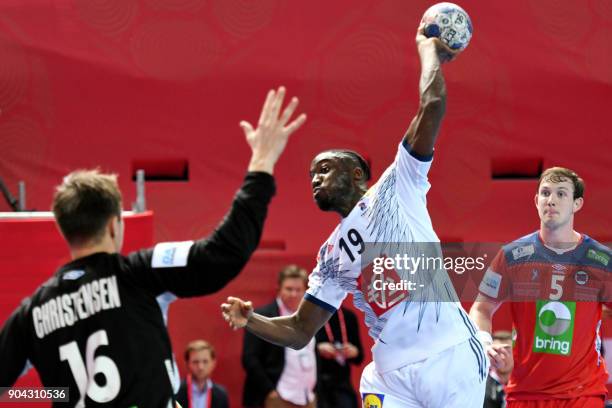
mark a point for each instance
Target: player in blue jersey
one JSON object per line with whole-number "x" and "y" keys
{"x": 426, "y": 353}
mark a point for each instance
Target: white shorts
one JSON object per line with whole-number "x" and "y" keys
{"x": 455, "y": 377}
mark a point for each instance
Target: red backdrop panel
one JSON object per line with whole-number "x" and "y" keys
{"x": 111, "y": 83}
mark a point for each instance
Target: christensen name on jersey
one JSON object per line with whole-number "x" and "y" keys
{"x": 67, "y": 309}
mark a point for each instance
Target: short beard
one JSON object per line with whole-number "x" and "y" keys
{"x": 324, "y": 204}
{"x": 337, "y": 200}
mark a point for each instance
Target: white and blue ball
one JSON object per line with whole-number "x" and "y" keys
{"x": 450, "y": 23}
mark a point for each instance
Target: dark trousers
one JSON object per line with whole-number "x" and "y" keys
{"x": 336, "y": 396}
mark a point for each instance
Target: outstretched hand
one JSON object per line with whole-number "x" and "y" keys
{"x": 273, "y": 130}
{"x": 237, "y": 312}
{"x": 501, "y": 358}
{"x": 445, "y": 53}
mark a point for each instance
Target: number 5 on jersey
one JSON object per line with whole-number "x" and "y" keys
{"x": 555, "y": 286}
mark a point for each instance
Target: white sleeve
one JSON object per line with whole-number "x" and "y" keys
{"x": 412, "y": 172}
{"x": 324, "y": 290}
{"x": 404, "y": 186}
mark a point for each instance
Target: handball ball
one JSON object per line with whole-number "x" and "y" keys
{"x": 450, "y": 23}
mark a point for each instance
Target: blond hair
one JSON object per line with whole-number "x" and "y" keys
{"x": 199, "y": 345}
{"x": 83, "y": 204}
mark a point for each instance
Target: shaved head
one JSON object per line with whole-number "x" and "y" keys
{"x": 339, "y": 179}
{"x": 351, "y": 158}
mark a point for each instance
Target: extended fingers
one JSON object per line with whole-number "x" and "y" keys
{"x": 289, "y": 111}
{"x": 247, "y": 128}
{"x": 444, "y": 47}
{"x": 277, "y": 103}
{"x": 272, "y": 105}
{"x": 296, "y": 124}
{"x": 267, "y": 106}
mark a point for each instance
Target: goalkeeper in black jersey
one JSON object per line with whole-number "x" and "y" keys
{"x": 95, "y": 326}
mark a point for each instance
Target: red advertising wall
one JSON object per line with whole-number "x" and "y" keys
{"x": 118, "y": 84}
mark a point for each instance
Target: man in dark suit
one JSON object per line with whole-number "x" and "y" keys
{"x": 277, "y": 377}
{"x": 197, "y": 390}
{"x": 339, "y": 347}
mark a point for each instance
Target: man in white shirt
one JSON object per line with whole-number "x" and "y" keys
{"x": 426, "y": 353}
{"x": 280, "y": 376}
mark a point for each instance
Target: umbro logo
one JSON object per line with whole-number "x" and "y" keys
{"x": 73, "y": 275}
{"x": 559, "y": 268}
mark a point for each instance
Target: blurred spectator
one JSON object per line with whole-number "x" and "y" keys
{"x": 198, "y": 390}
{"x": 339, "y": 346}
{"x": 278, "y": 376}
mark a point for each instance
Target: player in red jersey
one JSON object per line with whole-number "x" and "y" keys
{"x": 557, "y": 280}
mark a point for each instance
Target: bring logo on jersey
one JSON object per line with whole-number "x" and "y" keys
{"x": 554, "y": 330}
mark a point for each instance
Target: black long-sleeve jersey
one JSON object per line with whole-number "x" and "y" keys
{"x": 96, "y": 326}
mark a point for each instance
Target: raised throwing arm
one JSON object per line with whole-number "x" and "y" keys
{"x": 423, "y": 130}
